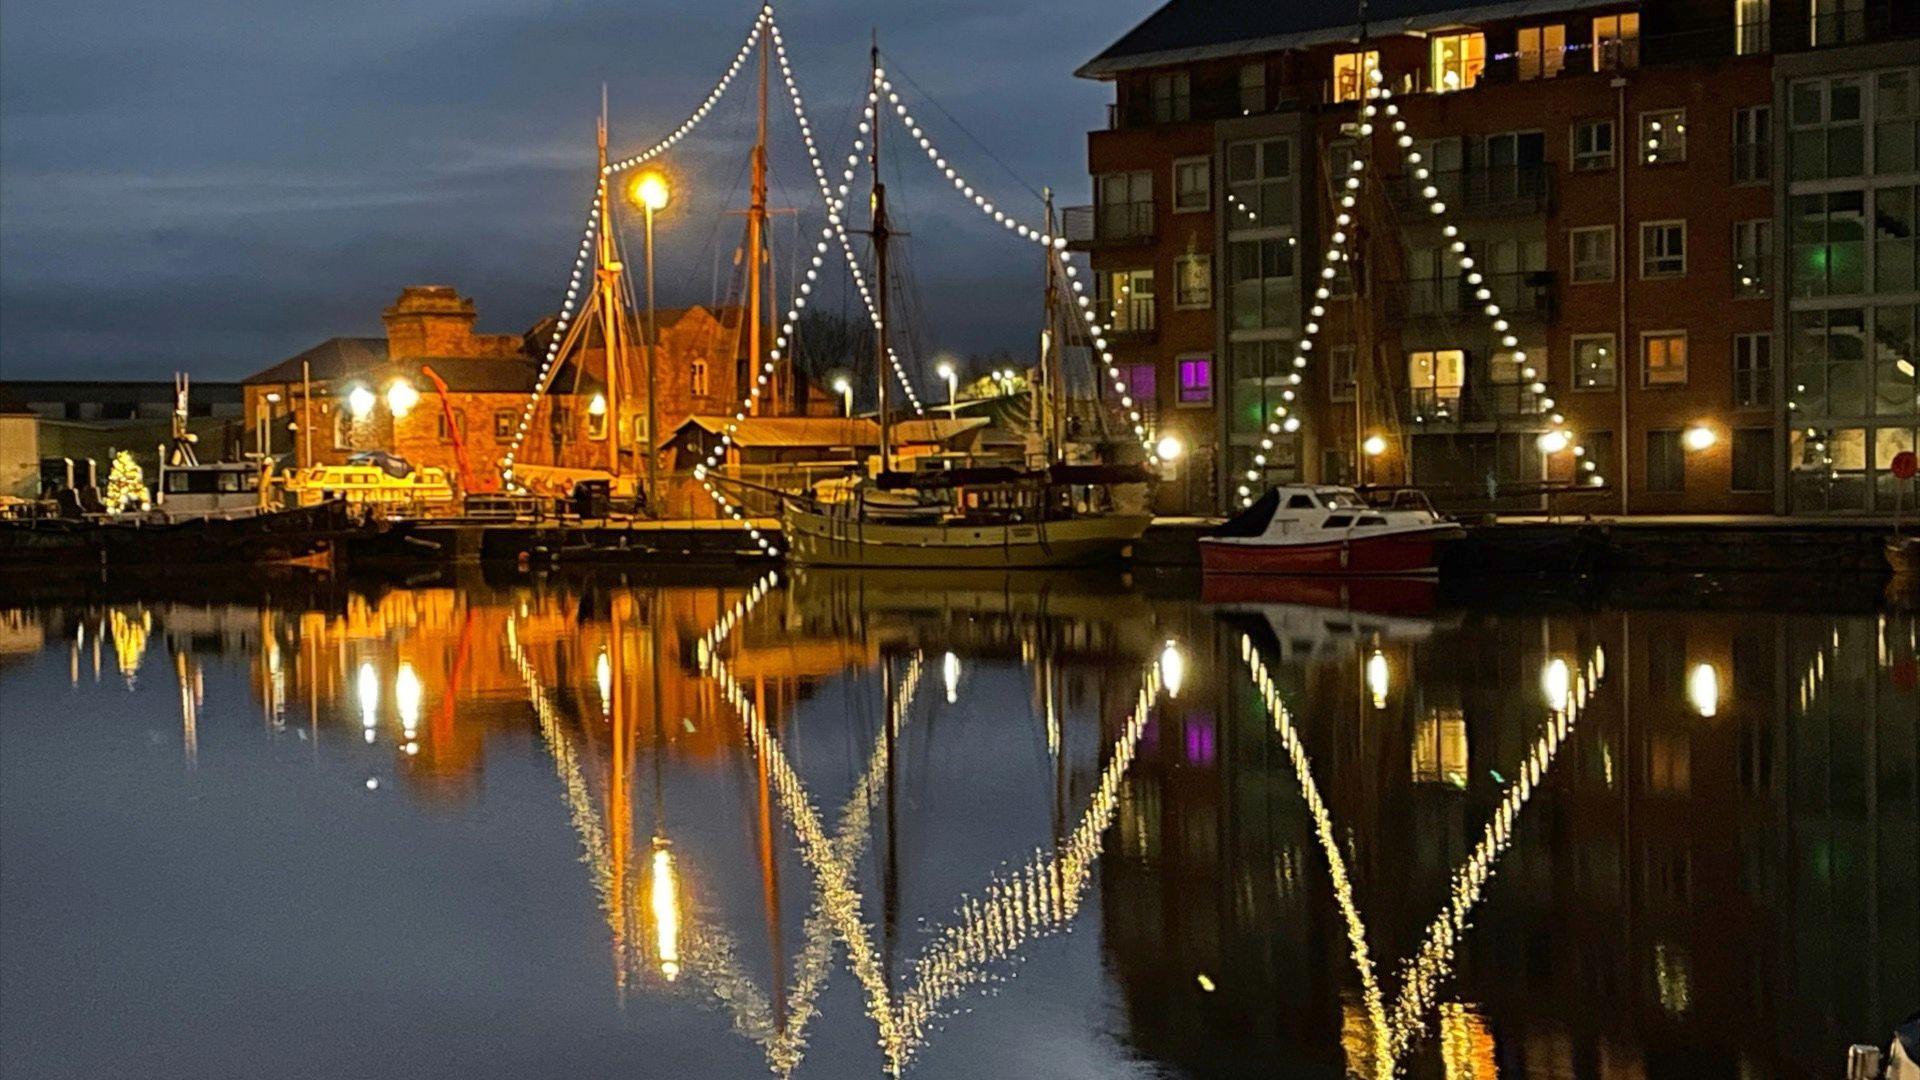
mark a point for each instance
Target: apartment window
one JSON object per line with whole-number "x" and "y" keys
{"x": 1437, "y": 375}
{"x": 1896, "y": 350}
{"x": 597, "y": 421}
{"x": 1260, "y": 184}
{"x": 1666, "y": 461}
{"x": 1827, "y": 361}
{"x": 1663, "y": 358}
{"x": 1838, "y": 22}
{"x": 1663, "y": 137}
{"x": 1752, "y": 255}
{"x": 1616, "y": 42}
{"x": 1196, "y": 380}
{"x": 1752, "y": 459}
{"x": 504, "y": 422}
{"x": 697, "y": 378}
{"x": 1125, "y": 205}
{"x": 1896, "y": 116}
{"x": 1592, "y": 253}
{"x": 1826, "y": 138}
{"x": 1752, "y": 370}
{"x": 1458, "y": 60}
{"x": 1340, "y": 373}
{"x": 1752, "y": 145}
{"x": 1829, "y": 251}
{"x": 1663, "y": 249}
{"x": 1253, "y": 88}
{"x": 1350, "y": 74}
{"x": 1592, "y": 145}
{"x": 1543, "y": 51}
{"x": 1127, "y": 296}
{"x": 1143, "y": 386}
{"x": 1594, "y": 364}
{"x": 1172, "y": 97}
{"x": 1193, "y": 281}
{"x": 1752, "y": 26}
{"x": 1192, "y": 184}
{"x": 1896, "y": 213}
{"x": 1260, "y": 284}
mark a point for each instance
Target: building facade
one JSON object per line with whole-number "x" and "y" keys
{"x": 1615, "y": 176}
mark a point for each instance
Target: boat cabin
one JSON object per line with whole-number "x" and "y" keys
{"x": 1303, "y": 511}
{"x": 218, "y": 489}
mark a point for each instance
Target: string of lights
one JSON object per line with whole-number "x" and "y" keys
{"x": 1044, "y": 237}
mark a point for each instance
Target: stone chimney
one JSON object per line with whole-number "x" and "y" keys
{"x": 429, "y": 320}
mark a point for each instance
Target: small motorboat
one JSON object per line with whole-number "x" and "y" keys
{"x": 1313, "y": 531}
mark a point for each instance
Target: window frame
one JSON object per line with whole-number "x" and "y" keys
{"x": 1542, "y": 67}
{"x": 1626, "y": 53}
{"x": 1613, "y": 353}
{"x": 1359, "y": 58}
{"x": 1342, "y": 358}
{"x": 1589, "y": 161}
{"x": 1180, "y": 300}
{"x": 1180, "y": 363}
{"x": 1733, "y": 458}
{"x": 1573, "y": 254}
{"x": 1750, "y": 167}
{"x": 504, "y": 423}
{"x": 1647, "y": 274}
{"x": 1178, "y": 98}
{"x": 1647, "y": 337}
{"x": 1678, "y": 454}
{"x": 1472, "y": 63}
{"x": 1664, "y": 155}
{"x": 1762, "y": 230}
{"x": 1205, "y": 162}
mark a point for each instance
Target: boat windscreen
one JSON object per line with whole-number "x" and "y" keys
{"x": 1254, "y": 519}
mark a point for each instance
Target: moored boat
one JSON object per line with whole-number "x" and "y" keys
{"x": 269, "y": 536}
{"x": 842, "y": 536}
{"x": 1329, "y": 531}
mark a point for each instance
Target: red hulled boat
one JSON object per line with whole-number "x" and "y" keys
{"x": 1320, "y": 531}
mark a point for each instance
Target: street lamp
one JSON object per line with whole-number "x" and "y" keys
{"x": 401, "y": 397}
{"x": 945, "y": 371}
{"x": 1700, "y": 437}
{"x": 360, "y": 401}
{"x": 844, "y": 387}
{"x": 652, "y": 193}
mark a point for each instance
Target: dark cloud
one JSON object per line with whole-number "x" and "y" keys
{"x": 215, "y": 184}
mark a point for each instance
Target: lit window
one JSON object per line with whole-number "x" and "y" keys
{"x": 1663, "y": 358}
{"x": 697, "y": 378}
{"x": 1543, "y": 51}
{"x": 1663, "y": 249}
{"x": 1193, "y": 281}
{"x": 1752, "y": 32}
{"x": 1663, "y": 136}
{"x": 1196, "y": 380}
{"x": 503, "y": 425}
{"x": 1616, "y": 42}
{"x": 1350, "y": 74}
{"x": 1458, "y": 60}
{"x": 1438, "y": 374}
{"x": 1127, "y": 298}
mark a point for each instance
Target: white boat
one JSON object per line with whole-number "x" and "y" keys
{"x": 1329, "y": 531}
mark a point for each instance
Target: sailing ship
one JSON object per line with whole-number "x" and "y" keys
{"x": 1046, "y": 512}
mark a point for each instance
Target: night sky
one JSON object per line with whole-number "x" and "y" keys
{"x": 213, "y": 185}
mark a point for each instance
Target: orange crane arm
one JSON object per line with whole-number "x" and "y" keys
{"x": 453, "y": 426}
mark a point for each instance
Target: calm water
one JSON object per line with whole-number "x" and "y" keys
{"x": 953, "y": 827}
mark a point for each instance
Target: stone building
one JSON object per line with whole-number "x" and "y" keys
{"x": 380, "y": 393}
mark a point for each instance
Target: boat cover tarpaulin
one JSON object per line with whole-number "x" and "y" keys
{"x": 1252, "y": 521}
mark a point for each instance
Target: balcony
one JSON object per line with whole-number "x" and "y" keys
{"x": 1509, "y": 405}
{"x": 1499, "y": 191}
{"x": 1135, "y": 319}
{"x": 1205, "y": 105}
{"x": 1107, "y": 225}
{"x": 1522, "y": 295}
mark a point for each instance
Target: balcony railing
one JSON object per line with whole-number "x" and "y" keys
{"x": 1524, "y": 294}
{"x": 1134, "y": 317}
{"x": 1485, "y": 192}
{"x": 1486, "y": 403}
{"x": 1107, "y": 224}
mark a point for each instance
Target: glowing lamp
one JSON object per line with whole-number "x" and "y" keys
{"x": 1552, "y": 442}
{"x": 1700, "y": 437}
{"x": 651, "y": 191}
{"x": 401, "y": 397}
{"x": 1169, "y": 448}
{"x": 1703, "y": 689}
{"x": 1374, "y": 446}
{"x": 360, "y": 401}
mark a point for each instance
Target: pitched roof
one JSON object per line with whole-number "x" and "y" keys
{"x": 1185, "y": 30}
{"x": 936, "y": 429}
{"x": 334, "y": 358}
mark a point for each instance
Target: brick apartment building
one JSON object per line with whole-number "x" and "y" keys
{"x": 702, "y": 370}
{"x": 1697, "y": 216}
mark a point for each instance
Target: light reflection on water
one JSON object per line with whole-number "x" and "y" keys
{"x": 977, "y": 826}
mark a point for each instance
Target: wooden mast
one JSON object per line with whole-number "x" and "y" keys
{"x": 1046, "y": 404}
{"x": 607, "y": 277}
{"x": 756, "y": 242}
{"x": 880, "y": 233}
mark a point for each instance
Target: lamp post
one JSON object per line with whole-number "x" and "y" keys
{"x": 945, "y": 371}
{"x": 653, "y": 195}
{"x": 844, "y": 388}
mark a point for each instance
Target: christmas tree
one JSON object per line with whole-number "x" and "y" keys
{"x": 126, "y": 484}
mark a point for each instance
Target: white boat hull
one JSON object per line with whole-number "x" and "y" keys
{"x": 817, "y": 539}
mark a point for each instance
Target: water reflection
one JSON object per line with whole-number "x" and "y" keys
{"x": 1311, "y": 832}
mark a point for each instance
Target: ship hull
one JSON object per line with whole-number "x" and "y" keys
{"x": 1412, "y": 551}
{"x": 269, "y": 537}
{"x": 817, "y": 539}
